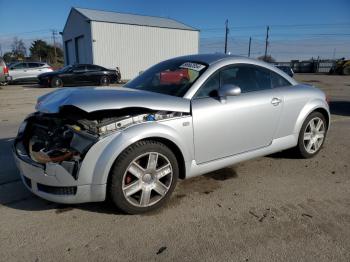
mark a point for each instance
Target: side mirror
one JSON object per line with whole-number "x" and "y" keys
{"x": 228, "y": 90}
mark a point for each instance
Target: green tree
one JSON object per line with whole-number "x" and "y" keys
{"x": 42, "y": 51}
{"x": 9, "y": 57}
{"x": 39, "y": 50}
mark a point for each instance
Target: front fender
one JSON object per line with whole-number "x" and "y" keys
{"x": 309, "y": 107}
{"x": 172, "y": 130}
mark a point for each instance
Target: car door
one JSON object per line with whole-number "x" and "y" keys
{"x": 19, "y": 71}
{"x": 34, "y": 70}
{"x": 78, "y": 76}
{"x": 93, "y": 74}
{"x": 239, "y": 123}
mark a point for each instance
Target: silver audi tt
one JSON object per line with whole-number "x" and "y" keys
{"x": 180, "y": 118}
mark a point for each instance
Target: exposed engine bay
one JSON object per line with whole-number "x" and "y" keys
{"x": 66, "y": 137}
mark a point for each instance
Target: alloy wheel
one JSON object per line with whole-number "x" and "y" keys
{"x": 314, "y": 135}
{"x": 147, "y": 179}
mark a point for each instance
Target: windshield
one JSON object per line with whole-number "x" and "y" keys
{"x": 65, "y": 68}
{"x": 174, "y": 77}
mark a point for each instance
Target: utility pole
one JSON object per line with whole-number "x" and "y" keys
{"x": 250, "y": 42}
{"x": 266, "y": 41}
{"x": 54, "y": 34}
{"x": 226, "y": 34}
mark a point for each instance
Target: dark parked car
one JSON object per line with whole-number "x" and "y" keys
{"x": 80, "y": 74}
{"x": 287, "y": 69}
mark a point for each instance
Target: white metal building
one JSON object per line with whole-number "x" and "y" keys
{"x": 131, "y": 42}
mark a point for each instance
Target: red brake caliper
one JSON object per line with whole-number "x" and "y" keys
{"x": 128, "y": 179}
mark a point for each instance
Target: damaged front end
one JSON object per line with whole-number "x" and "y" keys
{"x": 65, "y": 138}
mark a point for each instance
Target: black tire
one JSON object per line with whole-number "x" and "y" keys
{"x": 346, "y": 70}
{"x": 301, "y": 147}
{"x": 119, "y": 174}
{"x": 104, "y": 81}
{"x": 56, "y": 82}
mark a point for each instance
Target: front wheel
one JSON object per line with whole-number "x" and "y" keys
{"x": 56, "y": 82}
{"x": 143, "y": 177}
{"x": 312, "y": 135}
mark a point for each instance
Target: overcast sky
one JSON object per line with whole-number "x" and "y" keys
{"x": 298, "y": 29}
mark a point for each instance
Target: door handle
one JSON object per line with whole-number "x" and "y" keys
{"x": 276, "y": 101}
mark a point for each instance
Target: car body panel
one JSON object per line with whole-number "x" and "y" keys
{"x": 212, "y": 134}
{"x": 237, "y": 115}
{"x": 4, "y": 75}
{"x": 109, "y": 98}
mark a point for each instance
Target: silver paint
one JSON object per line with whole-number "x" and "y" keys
{"x": 214, "y": 135}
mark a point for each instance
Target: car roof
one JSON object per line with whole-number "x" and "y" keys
{"x": 214, "y": 58}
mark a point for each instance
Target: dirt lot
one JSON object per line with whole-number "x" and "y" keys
{"x": 273, "y": 208}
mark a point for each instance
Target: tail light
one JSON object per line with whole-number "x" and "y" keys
{"x": 6, "y": 70}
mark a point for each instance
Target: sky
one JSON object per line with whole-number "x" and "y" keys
{"x": 298, "y": 29}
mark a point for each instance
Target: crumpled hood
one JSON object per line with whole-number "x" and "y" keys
{"x": 107, "y": 98}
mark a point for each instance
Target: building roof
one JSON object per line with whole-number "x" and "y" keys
{"x": 132, "y": 19}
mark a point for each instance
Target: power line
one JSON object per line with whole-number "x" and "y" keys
{"x": 276, "y": 25}
{"x": 28, "y": 32}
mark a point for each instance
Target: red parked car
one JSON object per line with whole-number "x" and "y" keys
{"x": 179, "y": 76}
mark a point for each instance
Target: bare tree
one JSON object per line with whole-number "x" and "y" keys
{"x": 18, "y": 47}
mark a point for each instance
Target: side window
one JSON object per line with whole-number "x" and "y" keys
{"x": 33, "y": 65}
{"x": 93, "y": 68}
{"x": 248, "y": 77}
{"x": 210, "y": 87}
{"x": 278, "y": 81}
{"x": 79, "y": 69}
{"x": 20, "y": 66}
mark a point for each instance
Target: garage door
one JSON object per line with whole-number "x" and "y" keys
{"x": 80, "y": 50}
{"x": 69, "y": 52}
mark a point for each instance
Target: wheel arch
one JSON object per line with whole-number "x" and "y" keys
{"x": 316, "y": 105}
{"x": 175, "y": 149}
{"x": 120, "y": 142}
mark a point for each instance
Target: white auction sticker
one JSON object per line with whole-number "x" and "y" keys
{"x": 193, "y": 66}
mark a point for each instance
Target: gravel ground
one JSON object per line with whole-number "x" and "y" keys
{"x": 274, "y": 208}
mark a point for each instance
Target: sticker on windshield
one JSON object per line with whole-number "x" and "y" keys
{"x": 193, "y": 66}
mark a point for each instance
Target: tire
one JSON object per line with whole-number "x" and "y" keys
{"x": 104, "y": 81}
{"x": 346, "y": 70}
{"x": 134, "y": 177}
{"x": 56, "y": 82}
{"x": 314, "y": 136}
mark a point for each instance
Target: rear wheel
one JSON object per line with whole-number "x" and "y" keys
{"x": 104, "y": 81}
{"x": 346, "y": 70}
{"x": 143, "y": 177}
{"x": 56, "y": 82}
{"x": 312, "y": 135}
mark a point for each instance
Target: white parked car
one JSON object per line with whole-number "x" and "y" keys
{"x": 28, "y": 71}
